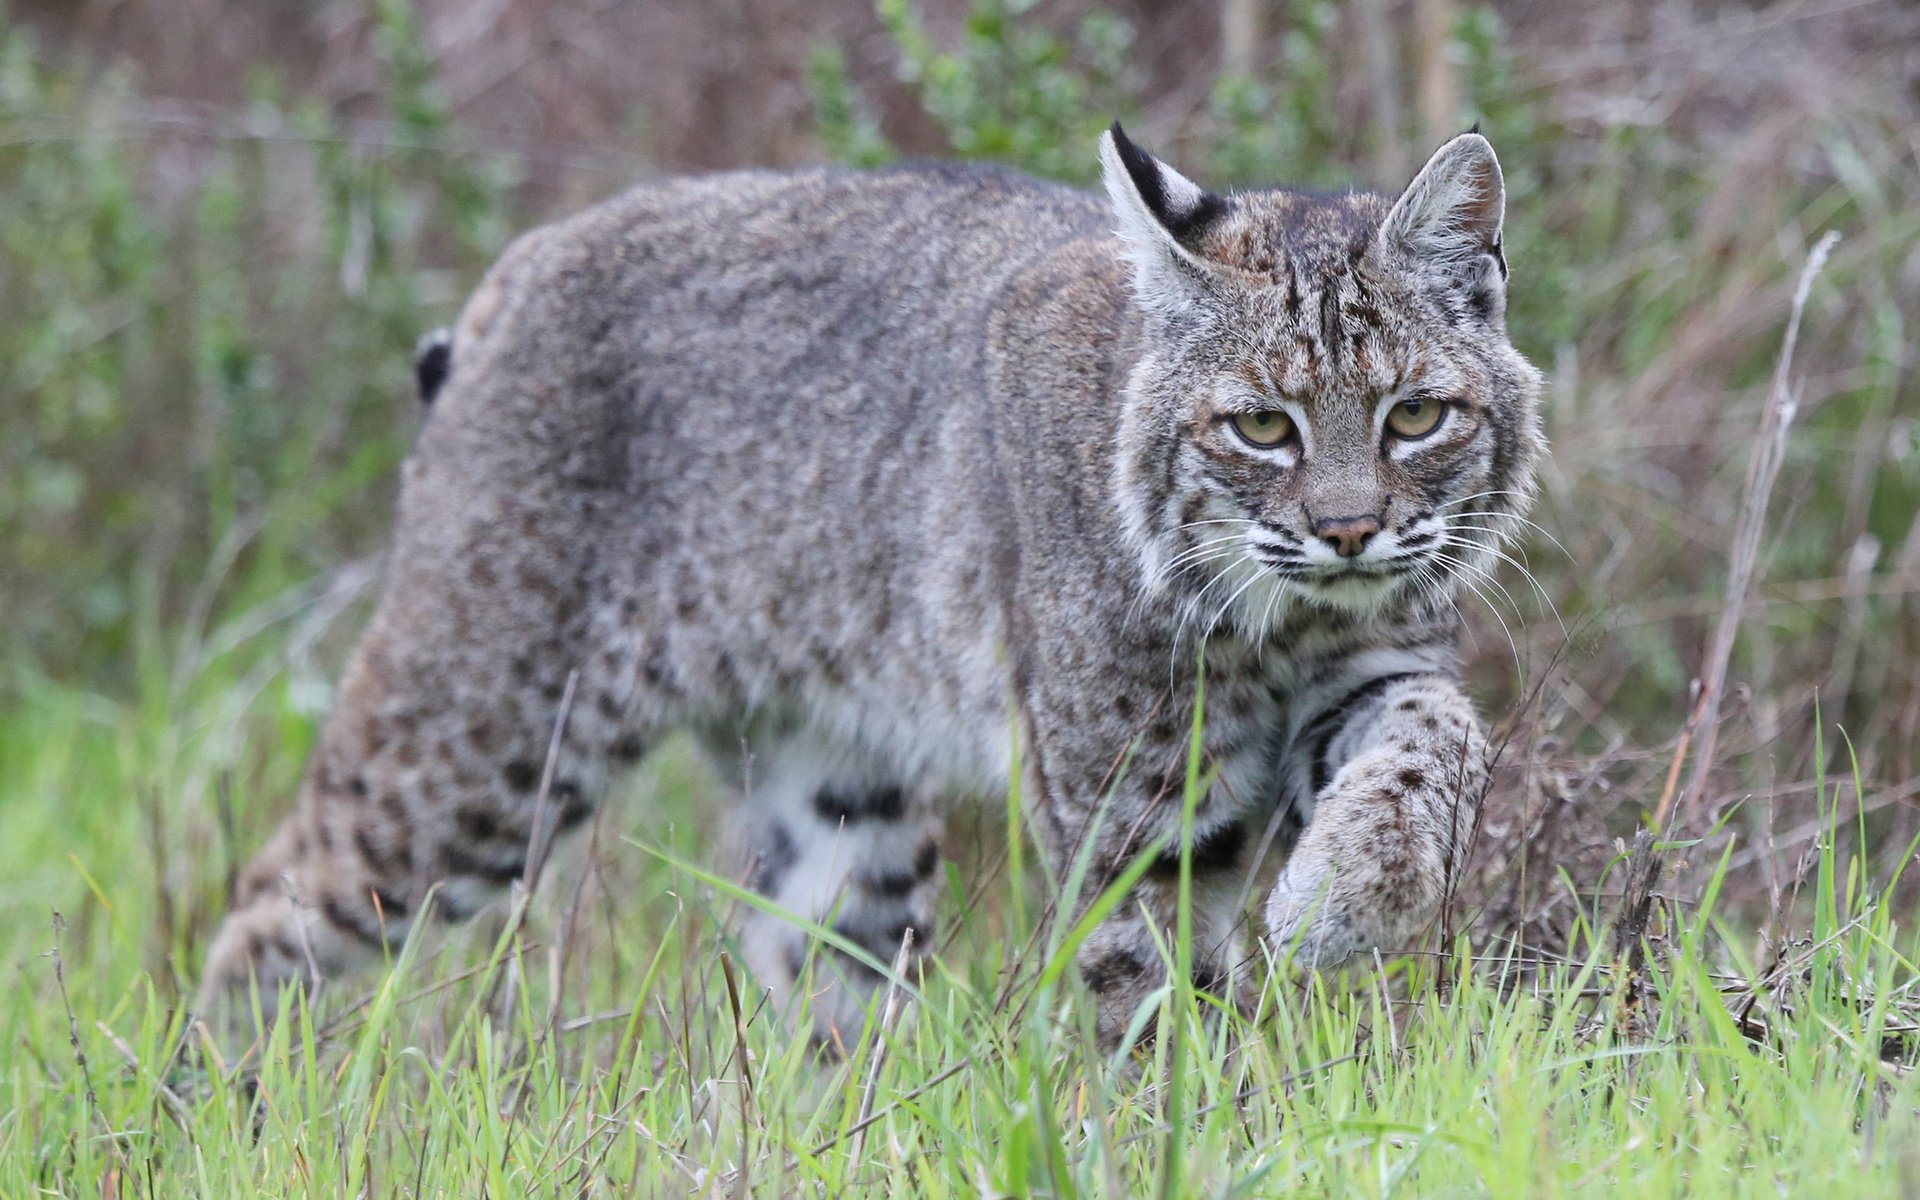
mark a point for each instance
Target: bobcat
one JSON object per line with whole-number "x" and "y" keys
{"x": 898, "y": 479}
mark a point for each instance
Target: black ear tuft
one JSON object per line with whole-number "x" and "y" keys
{"x": 1144, "y": 172}
{"x": 1474, "y": 128}
{"x": 1183, "y": 210}
{"x": 432, "y": 363}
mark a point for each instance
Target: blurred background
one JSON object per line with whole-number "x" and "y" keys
{"x": 223, "y": 225}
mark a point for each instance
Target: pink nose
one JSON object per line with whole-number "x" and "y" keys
{"x": 1347, "y": 535}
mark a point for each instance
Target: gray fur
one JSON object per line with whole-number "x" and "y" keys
{"x": 873, "y": 472}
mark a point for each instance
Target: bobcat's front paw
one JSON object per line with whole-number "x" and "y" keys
{"x": 1371, "y": 869}
{"x": 1306, "y": 922}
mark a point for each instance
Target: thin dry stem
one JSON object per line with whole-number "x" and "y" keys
{"x": 1762, "y": 470}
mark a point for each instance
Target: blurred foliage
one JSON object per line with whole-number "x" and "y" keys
{"x": 205, "y": 391}
{"x": 847, "y": 127}
{"x": 1015, "y": 91}
{"x": 1281, "y": 127}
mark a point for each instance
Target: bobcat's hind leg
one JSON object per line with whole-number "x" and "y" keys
{"x": 856, "y": 853}
{"x": 428, "y": 771}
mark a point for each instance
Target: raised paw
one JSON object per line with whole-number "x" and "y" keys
{"x": 1371, "y": 869}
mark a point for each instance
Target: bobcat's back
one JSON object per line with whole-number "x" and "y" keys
{"x": 770, "y": 399}
{"x": 743, "y": 309}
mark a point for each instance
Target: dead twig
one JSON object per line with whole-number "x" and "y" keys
{"x": 1762, "y": 470}
{"x": 79, "y": 1053}
{"x": 1630, "y": 931}
{"x": 890, "y": 1009}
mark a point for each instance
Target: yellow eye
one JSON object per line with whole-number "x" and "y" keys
{"x": 1415, "y": 417}
{"x": 1264, "y": 428}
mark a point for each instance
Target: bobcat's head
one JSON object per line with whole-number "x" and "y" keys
{"x": 1327, "y": 409}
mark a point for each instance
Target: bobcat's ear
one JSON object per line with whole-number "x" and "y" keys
{"x": 1448, "y": 223}
{"x": 1162, "y": 214}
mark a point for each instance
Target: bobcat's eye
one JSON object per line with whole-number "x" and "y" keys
{"x": 1268, "y": 428}
{"x": 1415, "y": 417}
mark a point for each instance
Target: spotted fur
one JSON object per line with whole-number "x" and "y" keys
{"x": 869, "y": 479}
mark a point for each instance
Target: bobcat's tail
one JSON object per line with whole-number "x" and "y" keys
{"x": 432, "y": 363}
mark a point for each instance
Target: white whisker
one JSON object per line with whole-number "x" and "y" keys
{"x": 1454, "y": 519}
{"x": 1428, "y": 578}
{"x": 1187, "y": 560}
{"x": 1192, "y": 606}
{"x": 1503, "y": 556}
{"x": 1459, "y": 572}
{"x": 1479, "y": 495}
{"x": 1251, "y": 580}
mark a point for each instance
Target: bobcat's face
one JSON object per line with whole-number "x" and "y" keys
{"x": 1333, "y": 413}
{"x": 1356, "y": 462}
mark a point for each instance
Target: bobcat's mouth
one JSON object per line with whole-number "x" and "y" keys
{"x": 1351, "y": 586}
{"x": 1348, "y": 584}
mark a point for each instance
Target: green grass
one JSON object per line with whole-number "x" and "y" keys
{"x": 600, "y": 1049}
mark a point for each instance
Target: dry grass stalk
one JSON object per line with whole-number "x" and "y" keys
{"x": 890, "y": 1009}
{"x": 1383, "y": 85}
{"x": 539, "y": 843}
{"x": 1240, "y": 28}
{"x": 1762, "y": 470}
{"x": 1439, "y": 77}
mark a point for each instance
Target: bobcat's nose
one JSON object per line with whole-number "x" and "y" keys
{"x": 1347, "y": 535}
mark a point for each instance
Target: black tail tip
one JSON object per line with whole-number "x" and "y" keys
{"x": 432, "y": 363}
